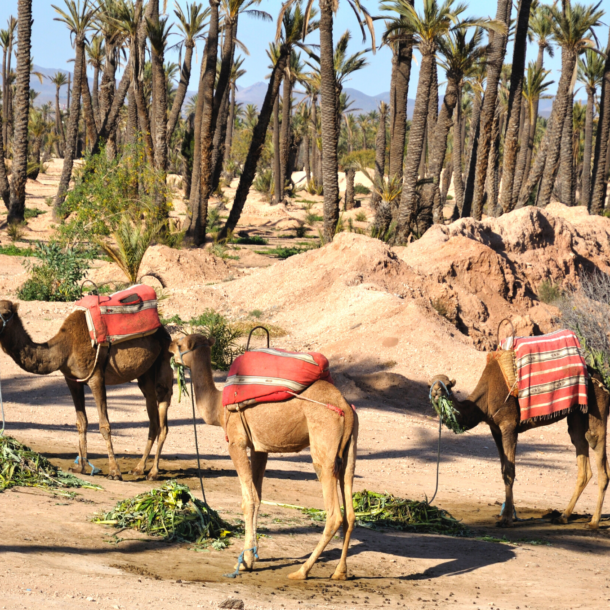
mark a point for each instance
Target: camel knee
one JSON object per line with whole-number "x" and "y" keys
{"x": 105, "y": 431}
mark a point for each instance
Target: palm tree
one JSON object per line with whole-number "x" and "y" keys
{"x": 495, "y": 59}
{"x": 426, "y": 27}
{"x": 96, "y": 52}
{"x": 380, "y": 147}
{"x": 7, "y": 39}
{"x": 192, "y": 23}
{"x": 236, "y": 73}
{"x": 459, "y": 57}
{"x": 600, "y": 158}
{"x": 591, "y": 74}
{"x": 570, "y": 27}
{"x": 22, "y": 110}
{"x": 78, "y": 18}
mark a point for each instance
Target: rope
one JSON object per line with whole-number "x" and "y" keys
{"x": 440, "y": 431}
{"x": 240, "y": 560}
{"x": 196, "y": 440}
{"x": 2, "y": 409}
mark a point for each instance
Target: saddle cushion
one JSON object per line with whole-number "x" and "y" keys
{"x": 273, "y": 375}
{"x": 121, "y": 316}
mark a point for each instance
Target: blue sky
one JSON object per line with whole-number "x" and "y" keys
{"x": 51, "y": 43}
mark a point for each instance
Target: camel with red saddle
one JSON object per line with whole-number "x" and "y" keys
{"x": 71, "y": 351}
{"x": 319, "y": 418}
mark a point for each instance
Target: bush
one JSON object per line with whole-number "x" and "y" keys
{"x": 15, "y": 231}
{"x": 263, "y": 181}
{"x": 253, "y": 240}
{"x": 360, "y": 217}
{"x": 360, "y": 189}
{"x": 311, "y": 218}
{"x": 172, "y": 235}
{"x": 548, "y": 292}
{"x": 58, "y": 275}
{"x": 225, "y": 348}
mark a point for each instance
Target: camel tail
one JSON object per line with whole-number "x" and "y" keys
{"x": 348, "y": 429}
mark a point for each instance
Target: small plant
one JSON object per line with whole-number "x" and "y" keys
{"x": 254, "y": 240}
{"x": 313, "y": 188}
{"x": 282, "y": 251}
{"x": 172, "y": 236}
{"x": 440, "y": 306}
{"x": 300, "y": 231}
{"x": 361, "y": 217}
{"x": 132, "y": 239}
{"x": 14, "y": 250}
{"x": 49, "y": 201}
{"x": 256, "y": 313}
{"x": 263, "y": 182}
{"x": 32, "y": 213}
{"x": 311, "y": 218}
{"x": 58, "y": 276}
{"x": 360, "y": 189}
{"x": 225, "y": 348}
{"x": 390, "y": 364}
{"x": 549, "y": 292}
{"x": 214, "y": 221}
{"x": 15, "y": 231}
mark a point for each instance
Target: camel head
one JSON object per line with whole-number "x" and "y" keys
{"x": 185, "y": 349}
{"x": 437, "y": 388}
{"x": 7, "y": 311}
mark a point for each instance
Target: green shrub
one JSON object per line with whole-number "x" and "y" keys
{"x": 32, "y": 213}
{"x": 360, "y": 189}
{"x": 300, "y": 231}
{"x": 13, "y": 250}
{"x": 549, "y": 292}
{"x": 282, "y": 251}
{"x": 360, "y": 217}
{"x": 58, "y": 275}
{"x": 254, "y": 240}
{"x": 15, "y": 231}
{"x": 172, "y": 235}
{"x": 263, "y": 181}
{"x": 225, "y": 348}
{"x": 311, "y": 218}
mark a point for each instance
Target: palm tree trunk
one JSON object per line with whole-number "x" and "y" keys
{"x": 471, "y": 155}
{"x": 523, "y": 153}
{"x": 560, "y": 107}
{"x": 185, "y": 77}
{"x": 59, "y": 125}
{"x": 159, "y": 105}
{"x": 230, "y": 128}
{"x": 566, "y": 164}
{"x": 438, "y": 146}
{"x": 415, "y": 148}
{"x": 5, "y": 98}
{"x": 132, "y": 118}
{"x": 380, "y": 146}
{"x": 197, "y": 229}
{"x": 88, "y": 113}
{"x": 350, "y": 200}
{"x": 585, "y": 189}
{"x": 5, "y": 192}
{"x": 95, "y": 96}
{"x": 432, "y": 117}
{"x": 285, "y": 133}
{"x": 494, "y": 68}
{"x": 511, "y": 138}
{"x": 445, "y": 184}
{"x": 220, "y": 136}
{"x": 22, "y": 112}
{"x": 258, "y": 141}
{"x": 398, "y": 119}
{"x": 493, "y": 167}
{"x": 306, "y": 152}
{"x": 72, "y": 137}
{"x": 330, "y": 129}
{"x": 599, "y": 175}
{"x": 277, "y": 165}
{"x": 458, "y": 153}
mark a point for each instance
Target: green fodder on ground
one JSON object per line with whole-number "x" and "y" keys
{"x": 172, "y": 512}
{"x": 22, "y": 467}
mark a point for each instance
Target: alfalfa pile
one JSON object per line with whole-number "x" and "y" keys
{"x": 22, "y": 467}
{"x": 170, "y": 511}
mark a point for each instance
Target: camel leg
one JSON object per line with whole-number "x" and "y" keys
{"x": 146, "y": 383}
{"x": 349, "y": 520}
{"x": 78, "y": 396}
{"x": 597, "y": 442}
{"x": 506, "y": 442}
{"x": 163, "y": 388}
{"x": 98, "y": 389}
{"x": 333, "y": 518}
{"x": 577, "y": 431}
{"x": 259, "y": 465}
{"x": 249, "y": 499}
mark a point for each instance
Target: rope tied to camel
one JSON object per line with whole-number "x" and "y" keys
{"x": 5, "y": 321}
{"x": 240, "y": 561}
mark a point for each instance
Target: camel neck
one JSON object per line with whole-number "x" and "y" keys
{"x": 38, "y": 358}
{"x": 207, "y": 396}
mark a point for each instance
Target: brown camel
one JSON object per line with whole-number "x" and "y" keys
{"x": 146, "y": 359}
{"x": 282, "y": 427}
{"x": 487, "y": 404}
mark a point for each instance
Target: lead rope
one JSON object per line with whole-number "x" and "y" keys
{"x": 440, "y": 431}
{"x": 2, "y": 409}
{"x": 196, "y": 440}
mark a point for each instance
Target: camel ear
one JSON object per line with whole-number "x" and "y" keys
{"x": 211, "y": 341}
{"x": 15, "y": 307}
{"x": 452, "y": 383}
{"x": 429, "y": 383}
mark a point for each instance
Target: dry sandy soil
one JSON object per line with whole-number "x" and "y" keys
{"x": 388, "y": 319}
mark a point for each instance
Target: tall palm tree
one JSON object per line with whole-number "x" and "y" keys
{"x": 570, "y": 27}
{"x": 59, "y": 79}
{"x": 22, "y": 110}
{"x": 191, "y": 23}
{"x": 236, "y": 73}
{"x": 591, "y": 74}
{"x": 426, "y": 27}
{"x": 7, "y": 39}
{"x": 380, "y": 149}
{"x": 495, "y": 60}
{"x": 459, "y": 56}
{"x": 96, "y": 52}
{"x": 78, "y": 18}
{"x": 600, "y": 159}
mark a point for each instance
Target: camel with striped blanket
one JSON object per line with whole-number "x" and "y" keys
{"x": 488, "y": 403}
{"x": 281, "y": 427}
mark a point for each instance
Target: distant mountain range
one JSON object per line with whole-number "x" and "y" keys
{"x": 254, "y": 94}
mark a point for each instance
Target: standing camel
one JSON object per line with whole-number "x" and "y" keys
{"x": 282, "y": 427}
{"x": 146, "y": 359}
{"x": 488, "y": 403}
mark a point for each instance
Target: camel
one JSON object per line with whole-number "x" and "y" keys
{"x": 488, "y": 404}
{"x": 146, "y": 359}
{"x": 281, "y": 427}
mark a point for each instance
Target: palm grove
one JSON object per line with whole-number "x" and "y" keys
{"x": 128, "y": 108}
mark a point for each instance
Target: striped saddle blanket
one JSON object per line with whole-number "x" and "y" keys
{"x": 551, "y": 374}
{"x": 120, "y": 316}
{"x": 272, "y": 375}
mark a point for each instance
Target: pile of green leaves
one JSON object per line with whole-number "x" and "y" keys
{"x": 22, "y": 467}
{"x": 170, "y": 511}
{"x": 58, "y": 273}
{"x": 446, "y": 411}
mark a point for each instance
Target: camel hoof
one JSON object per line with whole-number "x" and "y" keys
{"x": 298, "y": 575}
{"x": 592, "y": 526}
{"x": 152, "y": 476}
{"x": 504, "y": 522}
{"x": 137, "y": 472}
{"x": 339, "y": 576}
{"x": 76, "y": 470}
{"x": 115, "y": 476}
{"x": 562, "y": 520}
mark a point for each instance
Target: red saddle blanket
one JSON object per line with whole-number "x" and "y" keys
{"x": 551, "y": 374}
{"x": 121, "y": 316}
{"x": 273, "y": 375}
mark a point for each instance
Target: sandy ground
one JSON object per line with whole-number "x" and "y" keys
{"x": 53, "y": 556}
